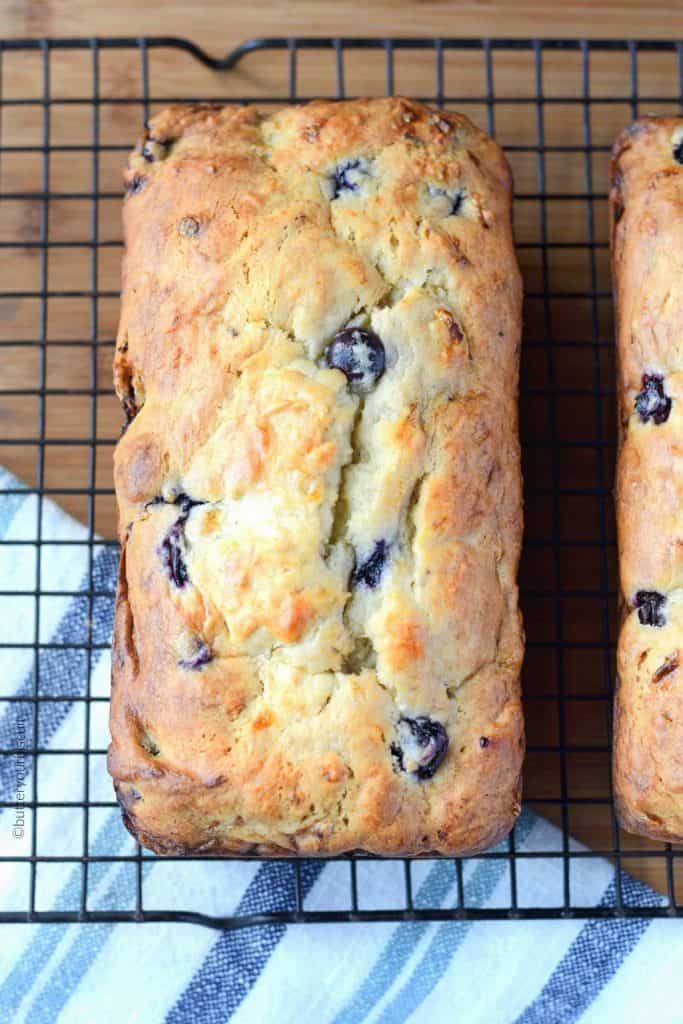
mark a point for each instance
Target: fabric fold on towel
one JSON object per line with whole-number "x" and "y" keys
{"x": 491, "y": 972}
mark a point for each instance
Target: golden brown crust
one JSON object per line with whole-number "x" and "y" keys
{"x": 257, "y": 693}
{"x": 646, "y": 203}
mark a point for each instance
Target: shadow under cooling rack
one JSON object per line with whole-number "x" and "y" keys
{"x": 70, "y": 110}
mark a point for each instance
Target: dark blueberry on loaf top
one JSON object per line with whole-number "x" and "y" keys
{"x": 202, "y": 656}
{"x": 456, "y": 199}
{"x": 422, "y": 747}
{"x": 678, "y": 152}
{"x": 650, "y": 604}
{"x": 368, "y": 572}
{"x": 136, "y": 184}
{"x": 172, "y": 551}
{"x": 347, "y": 177}
{"x": 172, "y": 547}
{"x": 359, "y": 354}
{"x": 652, "y": 403}
{"x": 186, "y": 503}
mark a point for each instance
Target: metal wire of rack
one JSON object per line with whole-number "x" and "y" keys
{"x": 69, "y": 110}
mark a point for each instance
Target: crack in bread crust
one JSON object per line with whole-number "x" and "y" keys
{"x": 352, "y": 562}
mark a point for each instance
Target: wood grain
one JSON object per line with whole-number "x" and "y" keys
{"x": 80, "y": 330}
{"x": 219, "y": 26}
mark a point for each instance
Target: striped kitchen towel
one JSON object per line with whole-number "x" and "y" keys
{"x": 548, "y": 972}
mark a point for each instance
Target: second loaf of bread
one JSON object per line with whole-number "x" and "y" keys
{"x": 647, "y": 230}
{"x": 317, "y": 643}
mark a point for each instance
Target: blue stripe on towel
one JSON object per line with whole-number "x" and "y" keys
{"x": 406, "y": 937}
{"x": 70, "y": 970}
{"x": 237, "y": 958}
{"x": 108, "y": 841}
{"x": 62, "y": 672}
{"x": 593, "y": 958}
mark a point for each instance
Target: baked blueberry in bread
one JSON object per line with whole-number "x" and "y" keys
{"x": 317, "y": 644}
{"x": 647, "y": 243}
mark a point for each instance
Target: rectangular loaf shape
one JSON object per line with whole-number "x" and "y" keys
{"x": 317, "y": 642}
{"x": 647, "y": 246}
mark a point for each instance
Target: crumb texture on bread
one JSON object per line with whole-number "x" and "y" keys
{"x": 317, "y": 642}
{"x": 647, "y": 261}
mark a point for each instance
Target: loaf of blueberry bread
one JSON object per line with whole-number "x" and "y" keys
{"x": 317, "y": 643}
{"x": 647, "y": 248}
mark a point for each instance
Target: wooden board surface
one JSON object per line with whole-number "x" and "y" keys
{"x": 581, "y": 327}
{"x": 220, "y": 25}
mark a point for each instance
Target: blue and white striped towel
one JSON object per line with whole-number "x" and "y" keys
{"x": 548, "y": 972}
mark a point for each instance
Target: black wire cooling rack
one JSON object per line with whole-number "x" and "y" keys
{"x": 70, "y": 109}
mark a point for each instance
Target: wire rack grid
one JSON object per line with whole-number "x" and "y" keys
{"x": 69, "y": 111}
